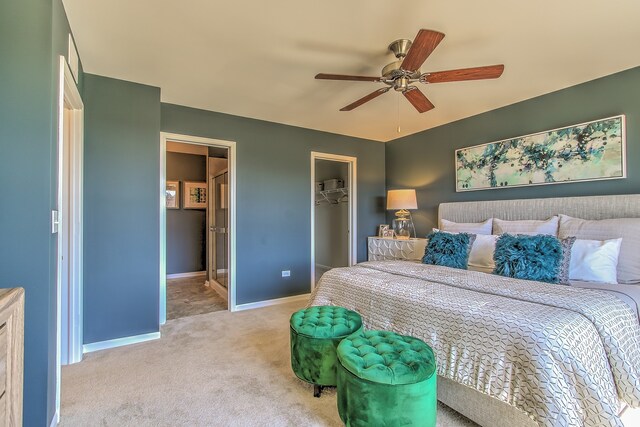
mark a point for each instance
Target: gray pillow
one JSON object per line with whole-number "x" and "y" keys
{"x": 628, "y": 229}
{"x": 529, "y": 226}
{"x": 467, "y": 227}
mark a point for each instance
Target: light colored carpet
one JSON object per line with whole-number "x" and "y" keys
{"x": 189, "y": 296}
{"x": 216, "y": 369}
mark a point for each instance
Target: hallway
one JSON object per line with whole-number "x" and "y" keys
{"x": 189, "y": 296}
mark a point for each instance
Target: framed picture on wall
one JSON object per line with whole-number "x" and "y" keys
{"x": 194, "y": 195}
{"x": 172, "y": 195}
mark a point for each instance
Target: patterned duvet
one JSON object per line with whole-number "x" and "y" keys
{"x": 565, "y": 356}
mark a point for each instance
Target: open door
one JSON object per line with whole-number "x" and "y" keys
{"x": 219, "y": 229}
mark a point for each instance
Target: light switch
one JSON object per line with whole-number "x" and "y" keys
{"x": 55, "y": 221}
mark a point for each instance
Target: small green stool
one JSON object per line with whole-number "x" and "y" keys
{"x": 315, "y": 335}
{"x": 386, "y": 379}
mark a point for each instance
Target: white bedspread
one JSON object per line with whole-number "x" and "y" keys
{"x": 563, "y": 355}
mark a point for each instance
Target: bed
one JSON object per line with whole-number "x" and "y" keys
{"x": 510, "y": 352}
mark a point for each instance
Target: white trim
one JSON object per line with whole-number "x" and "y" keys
{"x": 186, "y": 275}
{"x": 55, "y": 420}
{"x": 187, "y": 139}
{"x": 269, "y": 302}
{"x": 119, "y": 342}
{"x": 221, "y": 290}
{"x": 353, "y": 207}
{"x": 70, "y": 235}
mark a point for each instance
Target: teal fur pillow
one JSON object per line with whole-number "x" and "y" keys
{"x": 529, "y": 257}
{"x": 448, "y": 249}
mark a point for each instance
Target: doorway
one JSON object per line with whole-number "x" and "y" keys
{"x": 333, "y": 213}
{"x": 197, "y": 223}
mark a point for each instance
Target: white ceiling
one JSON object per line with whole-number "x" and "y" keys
{"x": 258, "y": 58}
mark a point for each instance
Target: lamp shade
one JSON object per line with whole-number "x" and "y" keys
{"x": 402, "y": 199}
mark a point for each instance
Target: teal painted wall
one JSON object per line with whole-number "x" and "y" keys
{"x": 33, "y": 33}
{"x": 425, "y": 160}
{"x": 121, "y": 212}
{"x": 273, "y": 190}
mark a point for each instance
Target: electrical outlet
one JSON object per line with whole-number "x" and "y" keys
{"x": 286, "y": 273}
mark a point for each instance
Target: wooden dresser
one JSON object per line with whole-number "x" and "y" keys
{"x": 11, "y": 356}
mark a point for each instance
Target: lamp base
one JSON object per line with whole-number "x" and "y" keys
{"x": 402, "y": 228}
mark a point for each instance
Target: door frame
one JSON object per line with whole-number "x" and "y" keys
{"x": 69, "y": 307}
{"x": 209, "y": 142}
{"x": 353, "y": 207}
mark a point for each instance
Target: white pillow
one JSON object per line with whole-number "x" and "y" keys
{"x": 481, "y": 255}
{"x": 528, "y": 227}
{"x": 606, "y": 229}
{"x": 467, "y": 227}
{"x": 595, "y": 260}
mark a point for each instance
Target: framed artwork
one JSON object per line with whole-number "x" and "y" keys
{"x": 381, "y": 229}
{"x": 389, "y": 234}
{"x": 195, "y": 195}
{"x": 584, "y": 152}
{"x": 172, "y": 195}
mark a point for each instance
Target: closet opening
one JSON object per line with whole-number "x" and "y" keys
{"x": 333, "y": 213}
{"x": 197, "y": 209}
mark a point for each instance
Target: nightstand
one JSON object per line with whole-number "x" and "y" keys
{"x": 385, "y": 249}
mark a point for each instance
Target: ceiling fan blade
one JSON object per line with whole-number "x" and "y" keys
{"x": 425, "y": 42}
{"x": 475, "y": 73}
{"x": 367, "y": 98}
{"x": 418, "y": 100}
{"x": 322, "y": 76}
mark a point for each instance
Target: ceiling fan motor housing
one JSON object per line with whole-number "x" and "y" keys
{"x": 393, "y": 71}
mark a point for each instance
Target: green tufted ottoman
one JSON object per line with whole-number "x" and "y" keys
{"x": 315, "y": 334}
{"x": 386, "y": 379}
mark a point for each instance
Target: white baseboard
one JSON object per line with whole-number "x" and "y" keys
{"x": 55, "y": 420}
{"x": 220, "y": 290}
{"x": 267, "y": 303}
{"x": 186, "y": 275}
{"x": 119, "y": 342}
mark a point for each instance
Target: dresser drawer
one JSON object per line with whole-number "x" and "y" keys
{"x": 380, "y": 249}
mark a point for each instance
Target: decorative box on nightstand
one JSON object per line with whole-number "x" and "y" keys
{"x": 381, "y": 249}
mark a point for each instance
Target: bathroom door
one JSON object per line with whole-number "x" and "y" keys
{"x": 218, "y": 229}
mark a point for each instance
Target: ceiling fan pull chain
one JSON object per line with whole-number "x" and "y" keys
{"x": 398, "y": 98}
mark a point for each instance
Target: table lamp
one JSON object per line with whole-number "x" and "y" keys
{"x": 402, "y": 201}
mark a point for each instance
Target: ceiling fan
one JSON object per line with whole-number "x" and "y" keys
{"x": 401, "y": 74}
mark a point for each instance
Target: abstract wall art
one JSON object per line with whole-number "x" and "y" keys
{"x": 195, "y": 195}
{"x": 584, "y": 152}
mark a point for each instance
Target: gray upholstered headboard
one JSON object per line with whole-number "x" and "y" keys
{"x": 589, "y": 207}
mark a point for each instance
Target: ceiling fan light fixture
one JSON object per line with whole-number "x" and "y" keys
{"x": 401, "y": 84}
